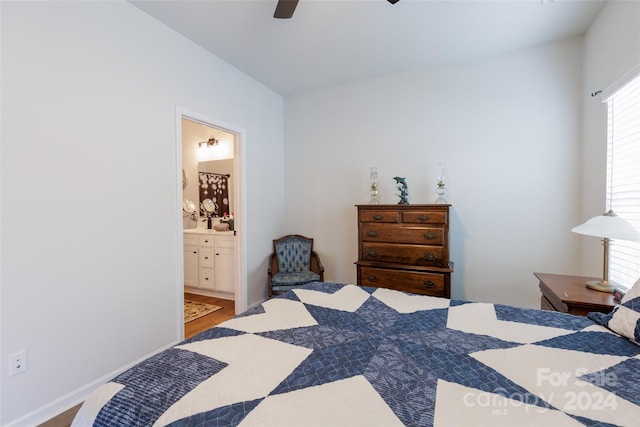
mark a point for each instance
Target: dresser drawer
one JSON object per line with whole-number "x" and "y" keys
{"x": 424, "y": 217}
{"x": 400, "y": 234}
{"x": 405, "y": 247}
{"x": 378, "y": 216}
{"x": 406, "y": 281}
{"x": 423, "y": 256}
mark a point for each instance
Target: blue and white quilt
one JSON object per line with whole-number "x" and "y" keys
{"x": 341, "y": 355}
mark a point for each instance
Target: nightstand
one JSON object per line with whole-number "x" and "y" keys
{"x": 568, "y": 294}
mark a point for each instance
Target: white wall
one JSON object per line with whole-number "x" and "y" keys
{"x": 611, "y": 49}
{"x": 89, "y": 281}
{"x": 508, "y": 128}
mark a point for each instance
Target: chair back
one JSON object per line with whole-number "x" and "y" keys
{"x": 294, "y": 253}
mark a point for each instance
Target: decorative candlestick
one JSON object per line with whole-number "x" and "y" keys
{"x": 374, "y": 197}
{"x": 441, "y": 184}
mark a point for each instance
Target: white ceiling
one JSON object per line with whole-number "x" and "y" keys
{"x": 329, "y": 42}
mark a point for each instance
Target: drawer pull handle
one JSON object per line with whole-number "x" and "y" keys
{"x": 372, "y": 278}
{"x": 423, "y": 217}
{"x": 206, "y": 257}
{"x": 429, "y": 257}
{"x": 429, "y": 284}
{"x": 378, "y": 217}
{"x": 430, "y": 235}
{"x": 371, "y": 252}
{"x": 372, "y": 233}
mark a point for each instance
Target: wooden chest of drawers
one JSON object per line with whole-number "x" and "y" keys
{"x": 404, "y": 247}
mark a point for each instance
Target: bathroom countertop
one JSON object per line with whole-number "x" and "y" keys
{"x": 206, "y": 231}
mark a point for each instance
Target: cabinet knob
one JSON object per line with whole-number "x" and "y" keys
{"x": 206, "y": 257}
{"x": 378, "y": 217}
{"x": 429, "y": 284}
{"x": 430, "y": 235}
{"x": 423, "y": 217}
{"x": 371, "y": 252}
{"x": 372, "y": 233}
{"x": 429, "y": 257}
{"x": 195, "y": 252}
{"x": 372, "y": 278}
{"x": 217, "y": 253}
{"x": 206, "y": 278}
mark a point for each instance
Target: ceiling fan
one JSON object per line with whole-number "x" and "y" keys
{"x": 285, "y": 8}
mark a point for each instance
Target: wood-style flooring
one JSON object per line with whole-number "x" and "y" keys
{"x": 210, "y": 320}
{"x": 190, "y": 329}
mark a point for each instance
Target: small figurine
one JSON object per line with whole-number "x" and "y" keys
{"x": 403, "y": 189}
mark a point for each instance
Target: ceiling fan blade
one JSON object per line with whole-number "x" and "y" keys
{"x": 285, "y": 9}
{"x": 393, "y": 1}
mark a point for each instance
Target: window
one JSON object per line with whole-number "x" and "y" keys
{"x": 623, "y": 178}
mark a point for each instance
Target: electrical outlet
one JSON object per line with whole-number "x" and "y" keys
{"x": 17, "y": 363}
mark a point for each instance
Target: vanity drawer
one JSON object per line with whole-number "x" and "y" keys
{"x": 190, "y": 239}
{"x": 225, "y": 242}
{"x": 206, "y": 257}
{"x": 406, "y": 281}
{"x": 205, "y": 240}
{"x": 206, "y": 278}
{"x": 400, "y": 234}
{"x": 432, "y": 256}
{"x": 379, "y": 216}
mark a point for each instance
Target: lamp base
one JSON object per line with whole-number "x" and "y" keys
{"x": 601, "y": 286}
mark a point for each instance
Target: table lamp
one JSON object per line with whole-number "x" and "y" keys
{"x": 607, "y": 226}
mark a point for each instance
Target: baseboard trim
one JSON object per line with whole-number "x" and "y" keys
{"x": 208, "y": 293}
{"x": 68, "y": 401}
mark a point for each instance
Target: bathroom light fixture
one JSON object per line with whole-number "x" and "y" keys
{"x": 608, "y": 226}
{"x": 206, "y": 149}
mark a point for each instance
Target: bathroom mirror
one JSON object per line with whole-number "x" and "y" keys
{"x": 221, "y": 167}
{"x": 188, "y": 206}
{"x": 208, "y": 205}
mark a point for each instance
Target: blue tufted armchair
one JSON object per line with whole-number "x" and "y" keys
{"x": 293, "y": 263}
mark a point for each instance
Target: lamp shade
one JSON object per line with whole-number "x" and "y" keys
{"x": 608, "y": 225}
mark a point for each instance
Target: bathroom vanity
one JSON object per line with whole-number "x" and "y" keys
{"x": 209, "y": 258}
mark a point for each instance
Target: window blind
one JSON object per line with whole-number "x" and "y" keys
{"x": 623, "y": 178}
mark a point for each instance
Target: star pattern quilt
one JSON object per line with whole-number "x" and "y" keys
{"x": 331, "y": 354}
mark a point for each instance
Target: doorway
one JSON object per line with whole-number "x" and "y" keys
{"x": 231, "y": 142}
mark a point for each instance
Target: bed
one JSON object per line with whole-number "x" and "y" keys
{"x": 332, "y": 354}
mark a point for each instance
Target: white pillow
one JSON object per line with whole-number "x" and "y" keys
{"x": 625, "y": 317}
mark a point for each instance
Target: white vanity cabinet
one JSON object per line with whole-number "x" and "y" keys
{"x": 209, "y": 263}
{"x": 191, "y": 271}
{"x": 206, "y": 262}
{"x": 225, "y": 247}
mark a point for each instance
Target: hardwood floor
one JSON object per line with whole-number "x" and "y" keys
{"x": 210, "y": 320}
{"x": 64, "y": 419}
{"x": 190, "y": 329}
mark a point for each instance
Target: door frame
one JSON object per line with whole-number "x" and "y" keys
{"x": 239, "y": 192}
